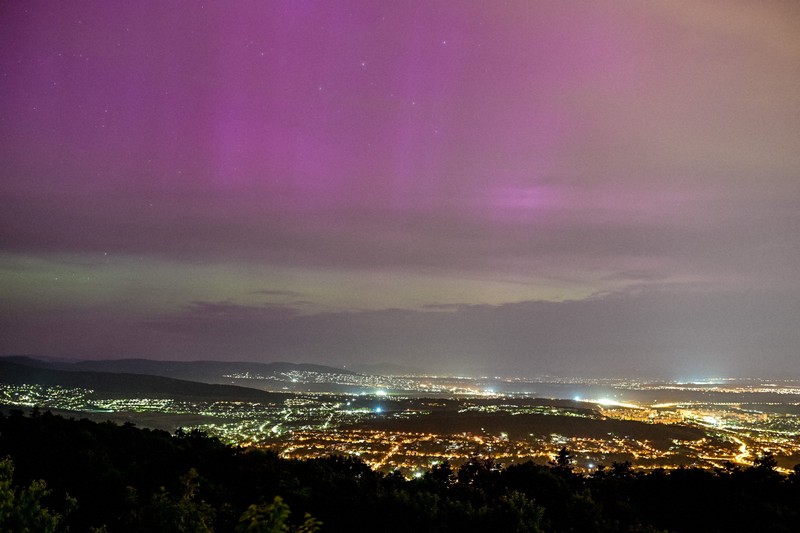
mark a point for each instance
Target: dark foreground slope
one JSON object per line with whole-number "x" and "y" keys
{"x": 128, "y": 479}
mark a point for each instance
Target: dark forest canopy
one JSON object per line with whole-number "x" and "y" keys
{"x": 85, "y": 476}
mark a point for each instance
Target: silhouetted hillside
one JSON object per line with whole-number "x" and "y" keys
{"x": 205, "y": 371}
{"x": 130, "y": 385}
{"x": 517, "y": 426}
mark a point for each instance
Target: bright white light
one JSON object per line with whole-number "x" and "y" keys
{"x": 417, "y": 475}
{"x": 608, "y": 402}
{"x": 381, "y": 392}
{"x": 378, "y": 410}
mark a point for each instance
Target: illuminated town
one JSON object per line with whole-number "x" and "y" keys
{"x": 409, "y": 424}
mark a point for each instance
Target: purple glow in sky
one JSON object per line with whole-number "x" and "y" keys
{"x": 532, "y": 187}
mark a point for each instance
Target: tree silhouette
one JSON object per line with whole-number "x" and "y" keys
{"x": 621, "y": 470}
{"x": 273, "y": 518}
{"x": 766, "y": 462}
{"x": 22, "y": 510}
{"x": 477, "y": 472}
{"x": 441, "y": 474}
{"x": 563, "y": 460}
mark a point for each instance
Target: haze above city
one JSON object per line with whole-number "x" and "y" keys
{"x": 601, "y": 189}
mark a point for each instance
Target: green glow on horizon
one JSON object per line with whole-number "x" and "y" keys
{"x": 148, "y": 284}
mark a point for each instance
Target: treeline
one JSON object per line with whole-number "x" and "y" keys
{"x": 66, "y": 475}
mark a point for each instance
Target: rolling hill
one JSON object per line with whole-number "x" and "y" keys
{"x": 119, "y": 384}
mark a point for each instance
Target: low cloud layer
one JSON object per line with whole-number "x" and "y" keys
{"x": 665, "y": 332}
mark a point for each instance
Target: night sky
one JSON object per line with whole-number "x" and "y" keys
{"x": 587, "y": 188}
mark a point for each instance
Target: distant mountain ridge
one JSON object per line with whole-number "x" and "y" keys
{"x": 15, "y": 371}
{"x": 202, "y": 371}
